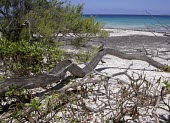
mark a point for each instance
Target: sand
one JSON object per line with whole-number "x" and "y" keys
{"x": 128, "y": 32}
{"x": 130, "y": 41}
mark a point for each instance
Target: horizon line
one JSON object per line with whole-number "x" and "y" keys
{"x": 131, "y": 14}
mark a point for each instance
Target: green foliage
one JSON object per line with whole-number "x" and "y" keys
{"x": 166, "y": 68}
{"x": 29, "y": 28}
{"x": 66, "y": 19}
{"x": 2, "y": 77}
{"x": 46, "y": 19}
{"x": 85, "y": 29}
{"x": 35, "y": 103}
{"x": 103, "y": 33}
{"x": 12, "y": 13}
{"x": 85, "y": 56}
{"x": 167, "y": 84}
{"x": 22, "y": 58}
{"x": 78, "y": 42}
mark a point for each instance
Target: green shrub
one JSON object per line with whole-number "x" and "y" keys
{"x": 85, "y": 56}
{"x": 23, "y": 58}
{"x": 166, "y": 68}
{"x": 103, "y": 33}
{"x": 167, "y": 85}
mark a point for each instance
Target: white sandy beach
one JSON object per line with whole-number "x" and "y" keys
{"x": 112, "y": 61}
{"x": 128, "y": 32}
{"x": 114, "y": 65}
{"x": 130, "y": 40}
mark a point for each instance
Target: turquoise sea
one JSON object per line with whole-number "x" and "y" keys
{"x": 140, "y": 22}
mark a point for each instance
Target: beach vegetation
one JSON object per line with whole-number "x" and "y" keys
{"x": 85, "y": 56}
{"x": 166, "y": 68}
{"x": 31, "y": 30}
{"x": 38, "y": 83}
{"x": 45, "y": 20}
{"x": 103, "y": 33}
{"x": 23, "y": 58}
{"x": 167, "y": 84}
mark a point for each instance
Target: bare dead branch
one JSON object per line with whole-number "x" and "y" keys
{"x": 58, "y": 73}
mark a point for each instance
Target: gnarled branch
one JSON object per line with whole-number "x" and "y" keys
{"x": 58, "y": 73}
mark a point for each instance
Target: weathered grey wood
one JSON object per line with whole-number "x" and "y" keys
{"x": 58, "y": 73}
{"x": 93, "y": 63}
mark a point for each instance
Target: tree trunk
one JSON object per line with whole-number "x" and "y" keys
{"x": 58, "y": 73}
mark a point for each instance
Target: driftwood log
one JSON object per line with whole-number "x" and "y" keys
{"x": 58, "y": 73}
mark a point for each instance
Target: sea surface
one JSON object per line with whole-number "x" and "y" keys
{"x": 137, "y": 22}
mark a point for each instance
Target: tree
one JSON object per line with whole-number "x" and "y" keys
{"x": 27, "y": 48}
{"x": 12, "y": 13}
{"x": 40, "y": 22}
{"x": 45, "y": 18}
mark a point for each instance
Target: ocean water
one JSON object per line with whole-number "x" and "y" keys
{"x": 141, "y": 22}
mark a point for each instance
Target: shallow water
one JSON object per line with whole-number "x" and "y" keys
{"x": 141, "y": 22}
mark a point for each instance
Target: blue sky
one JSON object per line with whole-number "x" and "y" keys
{"x": 124, "y": 6}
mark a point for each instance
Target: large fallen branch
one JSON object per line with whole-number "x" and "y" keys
{"x": 58, "y": 73}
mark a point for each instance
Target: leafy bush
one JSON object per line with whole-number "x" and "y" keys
{"x": 167, "y": 84}
{"x": 103, "y": 33}
{"x": 23, "y": 58}
{"x": 85, "y": 56}
{"x": 44, "y": 20}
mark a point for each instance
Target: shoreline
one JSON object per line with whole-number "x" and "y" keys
{"x": 113, "y": 32}
{"x": 140, "y": 29}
